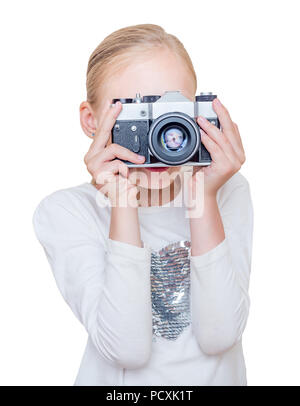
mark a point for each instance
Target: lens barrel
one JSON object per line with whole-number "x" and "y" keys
{"x": 174, "y": 138}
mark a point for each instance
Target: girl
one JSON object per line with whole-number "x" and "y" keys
{"x": 162, "y": 293}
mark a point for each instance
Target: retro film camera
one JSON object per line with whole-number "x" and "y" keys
{"x": 164, "y": 128}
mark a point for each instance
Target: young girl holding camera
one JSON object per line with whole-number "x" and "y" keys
{"x": 163, "y": 295}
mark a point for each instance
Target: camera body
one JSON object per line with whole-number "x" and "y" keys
{"x": 164, "y": 128}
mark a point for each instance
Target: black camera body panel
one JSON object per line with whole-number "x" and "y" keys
{"x": 123, "y": 135}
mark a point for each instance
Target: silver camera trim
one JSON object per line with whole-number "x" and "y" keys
{"x": 169, "y": 102}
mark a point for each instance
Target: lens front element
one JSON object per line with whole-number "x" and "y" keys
{"x": 173, "y": 139}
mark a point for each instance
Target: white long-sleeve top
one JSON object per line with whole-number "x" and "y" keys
{"x": 108, "y": 286}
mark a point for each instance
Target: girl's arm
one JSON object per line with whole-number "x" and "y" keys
{"x": 221, "y": 238}
{"x": 220, "y": 276}
{"x": 105, "y": 282}
{"x": 125, "y": 226}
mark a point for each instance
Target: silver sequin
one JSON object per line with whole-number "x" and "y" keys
{"x": 170, "y": 289}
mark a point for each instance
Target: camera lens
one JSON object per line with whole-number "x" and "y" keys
{"x": 174, "y": 138}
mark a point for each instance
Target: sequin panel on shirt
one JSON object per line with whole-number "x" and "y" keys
{"x": 170, "y": 289}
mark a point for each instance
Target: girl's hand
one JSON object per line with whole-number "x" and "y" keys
{"x": 110, "y": 174}
{"x": 225, "y": 148}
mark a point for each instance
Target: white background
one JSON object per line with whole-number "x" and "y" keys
{"x": 246, "y": 52}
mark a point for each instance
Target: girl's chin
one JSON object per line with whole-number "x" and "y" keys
{"x": 158, "y": 169}
{"x": 153, "y": 178}
{"x": 158, "y": 177}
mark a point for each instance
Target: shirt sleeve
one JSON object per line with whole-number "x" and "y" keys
{"x": 220, "y": 278}
{"x": 107, "y": 286}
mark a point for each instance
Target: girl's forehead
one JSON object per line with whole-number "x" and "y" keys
{"x": 152, "y": 75}
{"x": 149, "y": 82}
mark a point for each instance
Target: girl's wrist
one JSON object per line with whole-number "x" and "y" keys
{"x": 124, "y": 225}
{"x": 210, "y": 195}
{"x": 206, "y": 206}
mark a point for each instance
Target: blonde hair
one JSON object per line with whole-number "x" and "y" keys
{"x": 118, "y": 48}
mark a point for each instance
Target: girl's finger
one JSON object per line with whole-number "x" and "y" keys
{"x": 241, "y": 150}
{"x": 216, "y": 153}
{"x": 229, "y": 127}
{"x": 227, "y": 140}
{"x": 102, "y": 136}
{"x": 223, "y": 115}
{"x": 111, "y": 152}
{"x": 236, "y": 142}
{"x": 208, "y": 127}
{"x": 103, "y": 131}
{"x": 224, "y": 143}
{"x": 118, "y": 151}
{"x": 218, "y": 156}
{"x": 109, "y": 169}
